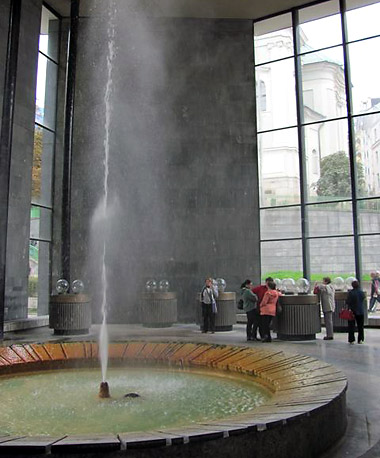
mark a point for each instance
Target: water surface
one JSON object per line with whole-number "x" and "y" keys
{"x": 66, "y": 402}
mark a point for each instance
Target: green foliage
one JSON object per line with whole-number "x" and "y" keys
{"x": 33, "y": 287}
{"x": 281, "y": 274}
{"x": 335, "y": 178}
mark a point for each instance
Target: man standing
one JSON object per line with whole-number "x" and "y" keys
{"x": 209, "y": 294}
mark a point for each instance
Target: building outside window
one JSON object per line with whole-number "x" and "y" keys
{"x": 43, "y": 161}
{"x": 318, "y": 159}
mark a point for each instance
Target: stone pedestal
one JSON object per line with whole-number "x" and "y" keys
{"x": 158, "y": 309}
{"x": 300, "y": 318}
{"x": 70, "y": 314}
{"x": 226, "y": 316}
{"x": 340, "y": 303}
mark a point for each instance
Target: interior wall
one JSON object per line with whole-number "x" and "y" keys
{"x": 17, "y": 262}
{"x": 183, "y": 174}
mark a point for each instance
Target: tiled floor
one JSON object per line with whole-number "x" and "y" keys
{"x": 360, "y": 363}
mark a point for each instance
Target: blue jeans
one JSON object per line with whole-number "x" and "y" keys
{"x": 372, "y": 303}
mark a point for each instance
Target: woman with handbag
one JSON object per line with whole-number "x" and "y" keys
{"x": 355, "y": 302}
{"x": 250, "y": 307}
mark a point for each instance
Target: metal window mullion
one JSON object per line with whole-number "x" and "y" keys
{"x": 68, "y": 139}
{"x": 53, "y": 61}
{"x": 351, "y": 140}
{"x": 301, "y": 146}
{"x": 256, "y": 149}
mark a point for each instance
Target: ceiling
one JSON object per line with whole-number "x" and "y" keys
{"x": 245, "y": 9}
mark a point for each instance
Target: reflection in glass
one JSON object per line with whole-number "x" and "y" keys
{"x": 330, "y": 219}
{"x": 276, "y": 82}
{"x": 273, "y": 38}
{"x": 323, "y": 86}
{"x": 365, "y": 71}
{"x": 367, "y": 153}
{"x": 332, "y": 256}
{"x": 49, "y": 34}
{"x": 279, "y": 168}
{"x": 280, "y": 223}
{"x": 326, "y": 161}
{"x": 369, "y": 250}
{"x": 324, "y": 16}
{"x": 281, "y": 259}
{"x": 46, "y": 92}
{"x": 39, "y": 274}
{"x": 362, "y": 22}
{"x": 42, "y": 167}
{"x": 369, "y": 216}
{"x": 40, "y": 223}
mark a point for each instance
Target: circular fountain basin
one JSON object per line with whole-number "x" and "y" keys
{"x": 304, "y": 416}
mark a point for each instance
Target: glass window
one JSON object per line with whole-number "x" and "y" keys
{"x": 280, "y": 95}
{"x": 323, "y": 85}
{"x": 326, "y": 161}
{"x": 362, "y": 22}
{"x": 365, "y": 74}
{"x": 279, "y": 168}
{"x": 280, "y": 223}
{"x": 330, "y": 219}
{"x": 39, "y": 274}
{"x": 46, "y": 92}
{"x": 370, "y": 249}
{"x": 313, "y": 19}
{"x": 43, "y": 160}
{"x": 49, "y": 34}
{"x": 273, "y": 38}
{"x": 40, "y": 223}
{"x": 42, "y": 171}
{"x": 369, "y": 216}
{"x": 367, "y": 147}
{"x": 282, "y": 259}
{"x": 332, "y": 257}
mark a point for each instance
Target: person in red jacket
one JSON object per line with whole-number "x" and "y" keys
{"x": 268, "y": 310}
{"x": 260, "y": 290}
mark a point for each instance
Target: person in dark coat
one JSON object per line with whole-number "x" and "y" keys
{"x": 355, "y": 301}
{"x": 251, "y": 308}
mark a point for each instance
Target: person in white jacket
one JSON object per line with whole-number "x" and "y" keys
{"x": 326, "y": 293}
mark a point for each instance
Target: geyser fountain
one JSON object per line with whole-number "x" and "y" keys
{"x": 290, "y": 422}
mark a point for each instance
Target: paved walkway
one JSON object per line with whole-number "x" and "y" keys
{"x": 361, "y": 364}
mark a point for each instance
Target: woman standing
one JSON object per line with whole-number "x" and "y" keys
{"x": 250, "y": 308}
{"x": 326, "y": 293}
{"x": 355, "y": 302}
{"x": 268, "y": 310}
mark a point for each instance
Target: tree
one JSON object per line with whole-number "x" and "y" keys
{"x": 335, "y": 178}
{"x": 37, "y": 159}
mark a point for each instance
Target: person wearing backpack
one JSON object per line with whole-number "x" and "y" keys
{"x": 250, "y": 307}
{"x": 375, "y": 291}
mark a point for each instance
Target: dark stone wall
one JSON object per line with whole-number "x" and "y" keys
{"x": 183, "y": 174}
{"x": 21, "y": 157}
{"x": 4, "y": 23}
